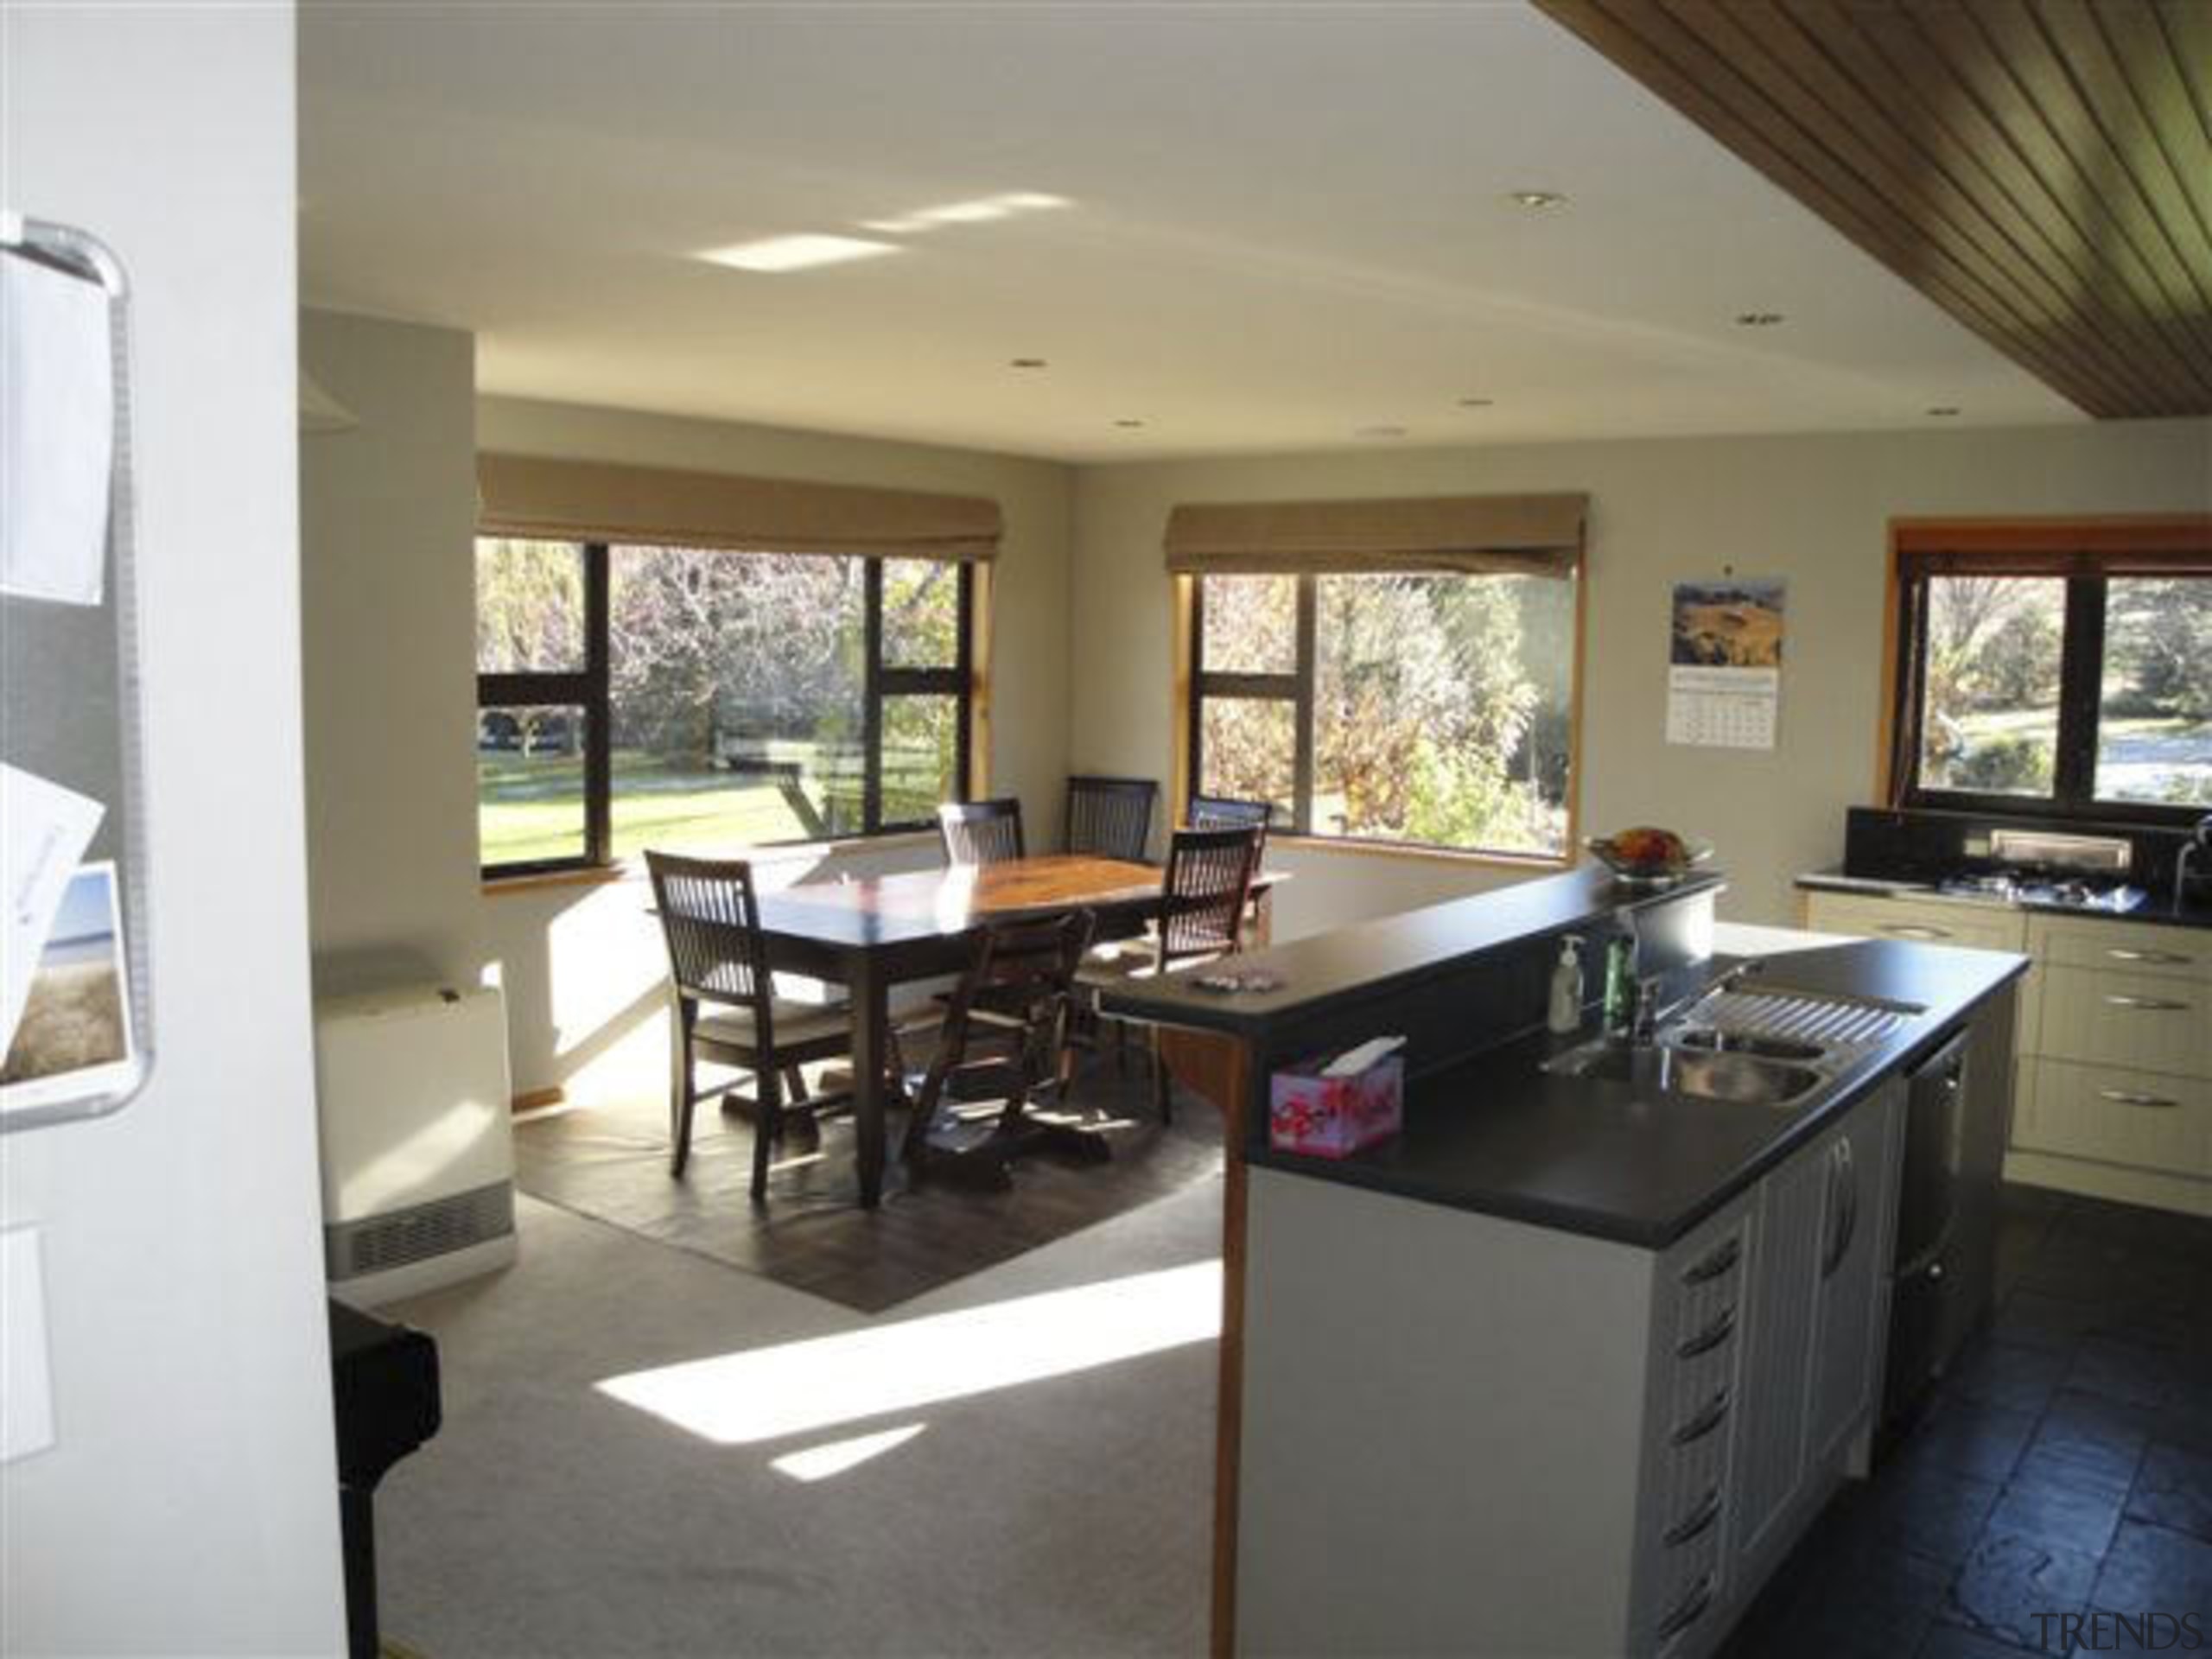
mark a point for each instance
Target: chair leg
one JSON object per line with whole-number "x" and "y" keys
{"x": 794, "y": 1085}
{"x": 1163, "y": 1089}
{"x": 767, "y": 1126}
{"x": 681, "y": 1102}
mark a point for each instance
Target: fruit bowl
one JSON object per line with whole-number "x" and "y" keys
{"x": 1647, "y": 858}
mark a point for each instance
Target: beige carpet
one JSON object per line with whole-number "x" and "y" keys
{"x": 1063, "y": 1515}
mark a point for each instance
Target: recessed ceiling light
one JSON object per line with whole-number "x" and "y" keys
{"x": 1536, "y": 198}
{"x": 1477, "y": 403}
{"x": 1943, "y": 411}
{"x": 1758, "y": 319}
{"x": 1378, "y": 431}
{"x": 1025, "y": 363}
{"x": 1128, "y": 424}
{"x": 775, "y": 254}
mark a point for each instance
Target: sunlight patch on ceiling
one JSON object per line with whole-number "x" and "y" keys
{"x": 779, "y": 254}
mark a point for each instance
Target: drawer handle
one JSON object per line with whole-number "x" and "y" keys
{"x": 1711, "y": 1338}
{"x": 1697, "y": 1522}
{"x": 2167, "y": 958}
{"x": 2147, "y": 1004}
{"x": 1914, "y": 930}
{"x": 1709, "y": 1417}
{"x": 1688, "y": 1611}
{"x": 2129, "y": 1097}
{"x": 1720, "y": 1261}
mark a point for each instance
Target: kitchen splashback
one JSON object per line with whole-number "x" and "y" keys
{"x": 1894, "y": 844}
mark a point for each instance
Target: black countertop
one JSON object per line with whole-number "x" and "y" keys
{"x": 1494, "y": 1134}
{"x": 1389, "y": 953}
{"x": 2168, "y": 913}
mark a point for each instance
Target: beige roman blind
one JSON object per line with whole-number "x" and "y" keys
{"x": 1515, "y": 535}
{"x": 601, "y": 501}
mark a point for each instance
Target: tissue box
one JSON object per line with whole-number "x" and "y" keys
{"x": 1330, "y": 1117}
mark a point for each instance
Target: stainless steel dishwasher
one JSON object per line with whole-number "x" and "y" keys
{"x": 1927, "y": 1319}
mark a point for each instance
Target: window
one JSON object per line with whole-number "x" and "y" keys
{"x": 1412, "y": 708}
{"x": 634, "y": 697}
{"x": 2044, "y": 681}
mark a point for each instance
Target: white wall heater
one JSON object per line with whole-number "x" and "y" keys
{"x": 417, "y": 1149}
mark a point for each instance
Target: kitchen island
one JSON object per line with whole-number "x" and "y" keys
{"x": 1567, "y": 1365}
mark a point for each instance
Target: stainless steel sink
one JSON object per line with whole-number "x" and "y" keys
{"x": 1712, "y": 1040}
{"x": 1665, "y": 1068}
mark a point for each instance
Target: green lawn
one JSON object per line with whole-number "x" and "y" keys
{"x": 531, "y": 807}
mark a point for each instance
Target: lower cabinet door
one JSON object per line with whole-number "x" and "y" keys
{"x": 1849, "y": 1297}
{"x": 1770, "y": 1441}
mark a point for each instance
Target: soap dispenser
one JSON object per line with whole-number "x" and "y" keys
{"x": 1567, "y": 987}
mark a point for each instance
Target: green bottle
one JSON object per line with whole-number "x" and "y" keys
{"x": 1620, "y": 985}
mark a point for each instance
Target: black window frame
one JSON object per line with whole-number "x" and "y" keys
{"x": 589, "y": 688}
{"x": 2081, "y": 681}
{"x": 1297, "y": 689}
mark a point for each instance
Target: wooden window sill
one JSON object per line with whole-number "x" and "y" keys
{"x": 1526, "y": 863}
{"x": 780, "y": 852}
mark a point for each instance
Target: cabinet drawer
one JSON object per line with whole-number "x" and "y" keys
{"x": 2124, "y": 947}
{"x": 2140, "y": 1119}
{"x": 2132, "y": 1021}
{"x": 1917, "y": 921}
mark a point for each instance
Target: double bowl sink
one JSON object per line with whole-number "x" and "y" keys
{"x": 1702, "y": 1061}
{"x": 1758, "y": 1048}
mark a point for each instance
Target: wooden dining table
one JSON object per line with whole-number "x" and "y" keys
{"x": 872, "y": 933}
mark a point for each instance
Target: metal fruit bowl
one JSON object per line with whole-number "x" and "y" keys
{"x": 1651, "y": 877}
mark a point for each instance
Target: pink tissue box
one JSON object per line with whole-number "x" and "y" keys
{"x": 1332, "y": 1117}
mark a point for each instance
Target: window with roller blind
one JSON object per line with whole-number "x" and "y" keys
{"x": 633, "y": 693}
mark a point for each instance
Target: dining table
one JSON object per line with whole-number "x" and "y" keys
{"x": 870, "y": 933}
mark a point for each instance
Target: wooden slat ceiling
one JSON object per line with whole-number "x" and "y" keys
{"x": 2040, "y": 168}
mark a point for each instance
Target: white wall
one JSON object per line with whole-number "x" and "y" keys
{"x": 190, "y": 1503}
{"x": 1814, "y": 509}
{"x": 388, "y": 598}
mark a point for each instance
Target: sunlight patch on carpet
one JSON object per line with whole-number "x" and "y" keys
{"x": 797, "y": 1387}
{"x": 836, "y": 1457}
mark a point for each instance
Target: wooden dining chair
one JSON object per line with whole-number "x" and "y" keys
{"x": 1214, "y": 811}
{"x": 1211, "y": 812}
{"x": 1005, "y": 1037}
{"x": 1110, "y": 818}
{"x": 980, "y": 832}
{"x": 1203, "y": 899}
{"x": 727, "y": 1010}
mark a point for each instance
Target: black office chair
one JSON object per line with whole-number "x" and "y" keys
{"x": 1110, "y": 818}
{"x": 980, "y": 832}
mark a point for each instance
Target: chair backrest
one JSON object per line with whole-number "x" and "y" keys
{"x": 1208, "y": 884}
{"x": 1213, "y": 811}
{"x": 1027, "y": 970}
{"x": 710, "y": 921}
{"x": 980, "y": 832}
{"x": 1110, "y": 818}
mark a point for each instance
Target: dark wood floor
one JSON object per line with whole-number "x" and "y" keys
{"x": 611, "y": 1163}
{"x": 2064, "y": 1470}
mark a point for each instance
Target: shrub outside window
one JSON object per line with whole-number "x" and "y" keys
{"x": 1410, "y": 707}
{"x": 632, "y": 696}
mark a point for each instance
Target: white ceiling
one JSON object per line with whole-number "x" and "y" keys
{"x": 1284, "y": 223}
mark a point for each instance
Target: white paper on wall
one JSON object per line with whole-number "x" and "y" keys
{"x": 57, "y": 432}
{"x": 44, "y": 829}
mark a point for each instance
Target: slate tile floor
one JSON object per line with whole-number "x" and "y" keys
{"x": 2064, "y": 1467}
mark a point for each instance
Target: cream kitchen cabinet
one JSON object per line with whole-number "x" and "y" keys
{"x": 2112, "y": 1095}
{"x": 1480, "y": 1435}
